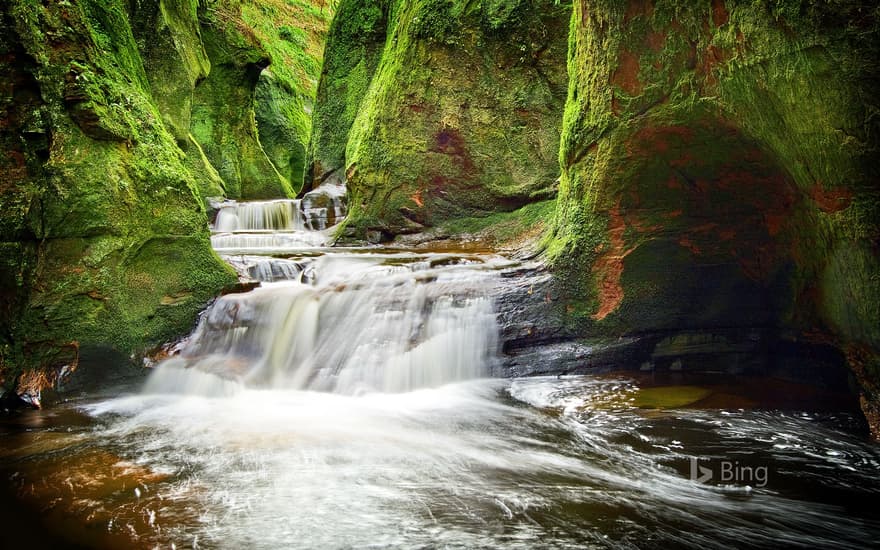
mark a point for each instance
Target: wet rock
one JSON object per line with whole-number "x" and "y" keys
{"x": 537, "y": 339}
{"x": 471, "y": 129}
{"x": 239, "y": 287}
{"x": 689, "y": 214}
{"x": 325, "y": 206}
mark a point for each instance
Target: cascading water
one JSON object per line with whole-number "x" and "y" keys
{"x": 343, "y": 322}
{"x": 278, "y": 226}
{"x": 343, "y": 404}
{"x": 349, "y": 323}
{"x": 277, "y": 215}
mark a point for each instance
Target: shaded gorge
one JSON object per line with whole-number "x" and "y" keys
{"x": 348, "y": 401}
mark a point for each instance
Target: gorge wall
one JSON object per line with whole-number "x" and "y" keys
{"x": 706, "y": 170}
{"x": 719, "y": 179}
{"x": 118, "y": 119}
{"x": 440, "y": 109}
{"x": 719, "y": 187}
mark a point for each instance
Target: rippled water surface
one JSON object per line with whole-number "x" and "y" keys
{"x": 568, "y": 462}
{"x": 343, "y": 404}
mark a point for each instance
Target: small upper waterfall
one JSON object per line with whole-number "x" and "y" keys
{"x": 278, "y": 226}
{"x": 277, "y": 215}
{"x": 345, "y": 321}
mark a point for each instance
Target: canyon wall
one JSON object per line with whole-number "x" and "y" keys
{"x": 118, "y": 119}
{"x": 433, "y": 110}
{"x": 719, "y": 179}
{"x": 718, "y": 198}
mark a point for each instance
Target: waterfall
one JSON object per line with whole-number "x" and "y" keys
{"x": 276, "y": 215}
{"x": 267, "y": 242}
{"x": 359, "y": 326}
{"x": 323, "y": 319}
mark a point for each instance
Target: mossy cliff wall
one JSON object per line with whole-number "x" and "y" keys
{"x": 104, "y": 234}
{"x": 719, "y": 171}
{"x": 439, "y": 109}
{"x": 106, "y": 157}
{"x": 251, "y": 113}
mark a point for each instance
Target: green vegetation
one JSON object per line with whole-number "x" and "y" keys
{"x": 251, "y": 113}
{"x": 713, "y": 163}
{"x": 109, "y": 148}
{"x": 354, "y": 46}
{"x": 747, "y": 72}
{"x": 717, "y": 169}
{"x": 504, "y": 228}
{"x": 440, "y": 110}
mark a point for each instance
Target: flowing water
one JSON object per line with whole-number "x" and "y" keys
{"x": 345, "y": 403}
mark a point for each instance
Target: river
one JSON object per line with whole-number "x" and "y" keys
{"x": 347, "y": 402}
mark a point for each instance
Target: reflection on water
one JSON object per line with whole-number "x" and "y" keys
{"x": 571, "y": 462}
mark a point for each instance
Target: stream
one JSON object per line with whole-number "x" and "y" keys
{"x": 347, "y": 402}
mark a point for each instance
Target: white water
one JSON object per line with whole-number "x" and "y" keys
{"x": 280, "y": 225}
{"x": 357, "y": 325}
{"x": 335, "y": 321}
{"x": 342, "y": 404}
{"x": 277, "y": 215}
{"x": 527, "y": 463}
{"x": 267, "y": 269}
{"x": 243, "y": 243}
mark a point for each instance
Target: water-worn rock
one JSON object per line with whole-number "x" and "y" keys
{"x": 441, "y": 109}
{"x": 114, "y": 125}
{"x": 251, "y": 113}
{"x": 104, "y": 234}
{"x": 537, "y": 339}
{"x": 719, "y": 172}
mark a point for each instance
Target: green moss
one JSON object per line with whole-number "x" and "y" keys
{"x": 354, "y": 46}
{"x": 280, "y": 128}
{"x": 223, "y": 121}
{"x": 437, "y": 21}
{"x": 114, "y": 232}
{"x": 759, "y": 77}
{"x": 169, "y": 39}
{"x": 452, "y": 118}
{"x": 251, "y": 113}
{"x": 503, "y": 227}
{"x": 211, "y": 185}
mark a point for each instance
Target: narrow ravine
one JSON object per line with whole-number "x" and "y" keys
{"x": 556, "y": 274}
{"x": 347, "y": 399}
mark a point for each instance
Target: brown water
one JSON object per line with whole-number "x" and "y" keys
{"x": 570, "y": 462}
{"x": 341, "y": 405}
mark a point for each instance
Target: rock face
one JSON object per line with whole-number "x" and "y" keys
{"x": 106, "y": 160}
{"x": 719, "y": 172}
{"x": 251, "y": 113}
{"x": 440, "y": 109}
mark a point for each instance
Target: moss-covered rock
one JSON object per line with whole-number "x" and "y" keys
{"x": 354, "y": 46}
{"x": 169, "y": 38}
{"x": 223, "y": 123}
{"x": 251, "y": 114}
{"x": 456, "y": 115}
{"x": 105, "y": 237}
{"x": 719, "y": 169}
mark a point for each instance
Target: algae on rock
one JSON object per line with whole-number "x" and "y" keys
{"x": 119, "y": 118}
{"x": 354, "y": 46}
{"x": 719, "y": 170}
{"x": 251, "y": 114}
{"x": 107, "y": 227}
{"x": 445, "y": 109}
